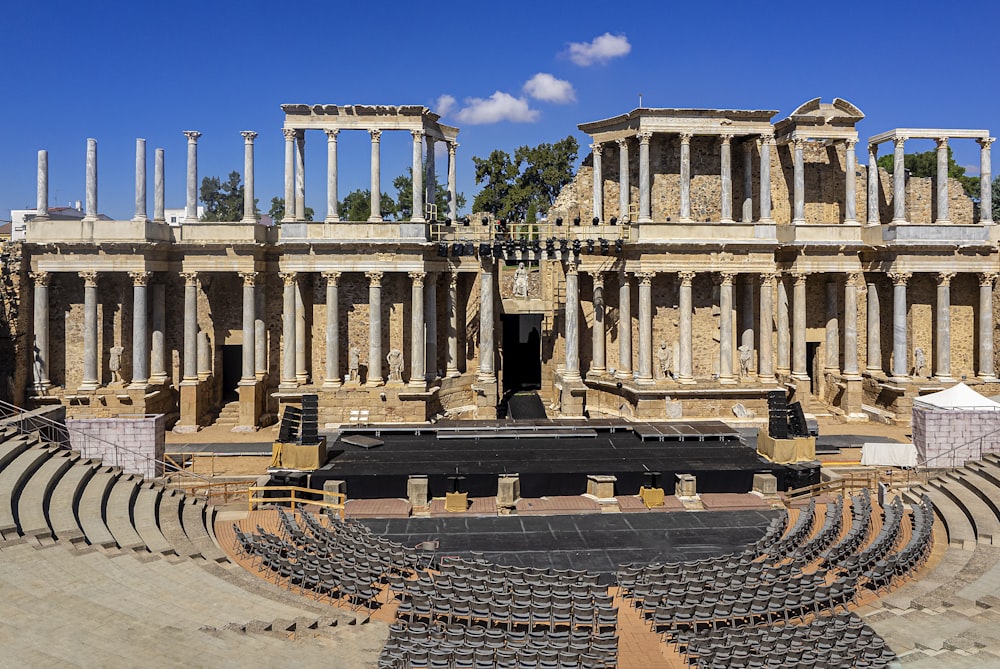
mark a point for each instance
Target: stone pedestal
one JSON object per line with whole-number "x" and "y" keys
{"x": 418, "y": 492}
{"x": 335, "y": 485}
{"x": 508, "y": 492}
{"x": 250, "y": 407}
{"x": 687, "y": 486}
{"x": 765, "y": 485}
{"x": 601, "y": 486}
{"x": 190, "y": 407}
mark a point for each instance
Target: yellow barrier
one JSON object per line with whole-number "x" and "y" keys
{"x": 213, "y": 489}
{"x": 294, "y": 499}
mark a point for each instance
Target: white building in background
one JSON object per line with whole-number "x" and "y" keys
{"x": 176, "y": 216}
{"x": 20, "y": 217}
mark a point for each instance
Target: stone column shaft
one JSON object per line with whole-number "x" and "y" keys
{"x": 799, "y": 306}
{"x": 765, "y": 364}
{"x": 900, "y": 354}
{"x": 374, "y": 328}
{"x": 40, "y": 327}
{"x": 159, "y": 196}
{"x": 850, "y": 183}
{"x": 91, "y": 203}
{"x": 90, "y": 378}
{"x": 986, "y": 364}
{"x": 42, "y": 194}
{"x": 899, "y": 182}
{"x": 300, "y": 175}
{"x": 190, "y": 374}
{"x": 942, "y": 356}
{"x": 249, "y": 213}
{"x": 598, "y": 362}
{"x": 985, "y": 181}
{"x": 289, "y": 134}
{"x": 851, "y": 368}
{"x": 452, "y": 182}
{"x": 430, "y": 177}
{"x": 783, "y": 336}
{"x": 260, "y": 329}
{"x": 832, "y": 328}
{"x": 418, "y": 345}
{"x": 204, "y": 356}
{"x": 765, "y": 177}
{"x": 645, "y": 213}
{"x": 596, "y": 150}
{"x": 140, "y": 181}
{"x": 685, "y": 175}
{"x": 249, "y": 330}
{"x": 301, "y": 336}
{"x": 191, "y": 207}
{"x": 332, "y": 330}
{"x": 332, "y": 214}
{"x": 624, "y": 327}
{"x": 645, "y": 372}
{"x": 725, "y": 160}
{"x": 624, "y": 194}
{"x": 486, "y": 352}
{"x": 874, "y": 323}
{"x": 726, "y": 328}
{"x": 747, "y": 215}
{"x": 288, "y": 330}
{"x": 158, "y": 344}
{"x": 417, "y": 170}
{"x": 140, "y": 329}
{"x": 746, "y": 309}
{"x": 430, "y": 327}
{"x": 684, "y": 304}
{"x": 942, "y": 182}
{"x": 572, "y": 334}
{"x": 376, "y": 179}
{"x": 452, "y": 306}
{"x": 873, "y": 183}
{"x": 799, "y": 173}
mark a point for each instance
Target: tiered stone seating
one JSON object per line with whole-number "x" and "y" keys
{"x": 961, "y": 532}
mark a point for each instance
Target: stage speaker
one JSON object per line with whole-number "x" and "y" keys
{"x": 797, "y": 421}
{"x": 776, "y": 400}
{"x": 777, "y": 424}
{"x": 801, "y": 476}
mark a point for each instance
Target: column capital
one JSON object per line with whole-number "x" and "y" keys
{"x": 140, "y": 278}
{"x": 192, "y": 136}
{"x": 944, "y": 278}
{"x": 332, "y": 277}
{"x": 289, "y": 133}
{"x": 453, "y": 279}
{"x": 331, "y": 134}
{"x": 768, "y": 278}
{"x": 900, "y": 278}
{"x": 851, "y": 142}
{"x": 289, "y": 278}
{"x": 799, "y": 143}
{"x": 248, "y": 136}
{"x": 799, "y": 277}
{"x": 726, "y": 137}
{"x": 748, "y": 146}
{"x": 645, "y": 278}
{"x": 686, "y": 277}
{"x": 622, "y": 143}
{"x": 987, "y": 278}
{"x": 418, "y": 134}
{"x": 984, "y": 142}
{"x": 89, "y": 279}
{"x": 644, "y": 137}
{"x": 899, "y": 141}
{"x": 873, "y": 148}
{"x": 190, "y": 278}
{"x": 686, "y": 137}
{"x": 726, "y": 278}
{"x": 452, "y": 147}
{"x": 572, "y": 267}
{"x": 942, "y": 142}
{"x": 767, "y": 138}
{"x": 376, "y": 135}
{"x": 418, "y": 278}
{"x": 598, "y": 279}
{"x": 249, "y": 278}
{"x": 374, "y": 279}
{"x": 41, "y": 278}
{"x": 597, "y": 147}
{"x": 856, "y": 279}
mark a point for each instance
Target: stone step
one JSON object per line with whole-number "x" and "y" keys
{"x": 10, "y": 449}
{"x": 118, "y": 513}
{"x": 90, "y": 511}
{"x": 172, "y": 527}
{"x": 144, "y": 516}
{"x": 984, "y": 483}
{"x": 960, "y": 531}
{"x": 962, "y": 486}
{"x": 65, "y": 498}
{"x": 37, "y": 493}
{"x": 193, "y": 518}
{"x": 12, "y": 479}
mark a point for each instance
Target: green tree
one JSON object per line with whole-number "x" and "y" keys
{"x": 357, "y": 206}
{"x": 404, "y": 197}
{"x": 277, "y": 210}
{"x": 995, "y": 198}
{"x": 499, "y": 174}
{"x": 533, "y": 177}
{"x": 223, "y": 201}
{"x": 924, "y": 164}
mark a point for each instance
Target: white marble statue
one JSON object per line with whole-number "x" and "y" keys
{"x": 395, "y": 361}
{"x": 353, "y": 365}
{"x": 520, "y": 281}
{"x": 115, "y": 363}
{"x": 664, "y": 362}
{"x": 746, "y": 359}
{"x": 919, "y": 361}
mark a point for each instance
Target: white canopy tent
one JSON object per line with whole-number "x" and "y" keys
{"x": 959, "y": 396}
{"x": 955, "y": 426}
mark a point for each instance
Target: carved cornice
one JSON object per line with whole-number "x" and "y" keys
{"x": 622, "y": 143}
{"x": 418, "y": 135}
{"x": 851, "y": 142}
{"x": 900, "y": 278}
{"x": 140, "y": 278}
{"x": 767, "y": 138}
{"x": 452, "y": 147}
{"x": 597, "y": 148}
{"x": 686, "y": 138}
{"x": 645, "y": 278}
{"x": 89, "y": 279}
{"x": 768, "y": 278}
{"x": 726, "y": 278}
{"x": 644, "y": 137}
{"x": 248, "y": 136}
{"x": 899, "y": 142}
{"x": 985, "y": 142}
{"x": 799, "y": 277}
{"x": 726, "y": 137}
{"x": 987, "y": 278}
{"x": 942, "y": 143}
{"x": 572, "y": 267}
{"x": 598, "y": 278}
{"x": 798, "y": 143}
{"x": 856, "y": 279}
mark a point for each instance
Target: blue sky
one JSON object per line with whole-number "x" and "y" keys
{"x": 116, "y": 71}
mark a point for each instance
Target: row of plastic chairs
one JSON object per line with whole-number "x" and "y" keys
{"x": 795, "y": 537}
{"x": 861, "y": 513}
{"x": 832, "y": 527}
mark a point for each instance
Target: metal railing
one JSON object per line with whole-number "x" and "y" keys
{"x": 953, "y": 452}
{"x": 297, "y": 495}
{"x": 217, "y": 491}
{"x": 856, "y": 481}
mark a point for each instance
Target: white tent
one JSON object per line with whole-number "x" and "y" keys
{"x": 959, "y": 396}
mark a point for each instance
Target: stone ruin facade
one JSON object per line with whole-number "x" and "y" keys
{"x": 699, "y": 259}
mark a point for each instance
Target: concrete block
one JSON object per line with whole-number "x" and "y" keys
{"x": 687, "y": 485}
{"x": 418, "y": 491}
{"x": 508, "y": 491}
{"x": 601, "y": 486}
{"x": 765, "y": 485}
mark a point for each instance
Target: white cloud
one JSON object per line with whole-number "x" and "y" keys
{"x": 600, "y": 50}
{"x": 444, "y": 104}
{"x": 544, "y": 86}
{"x": 498, "y": 107}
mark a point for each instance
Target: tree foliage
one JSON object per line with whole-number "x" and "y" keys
{"x": 357, "y": 206}
{"x": 995, "y": 198}
{"x": 404, "y": 197}
{"x": 223, "y": 201}
{"x": 277, "y": 210}
{"x": 534, "y": 176}
{"x": 924, "y": 164}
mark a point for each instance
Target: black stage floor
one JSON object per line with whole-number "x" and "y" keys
{"x": 525, "y": 406}
{"x": 548, "y": 464}
{"x": 596, "y": 542}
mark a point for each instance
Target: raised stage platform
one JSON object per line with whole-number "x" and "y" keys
{"x": 551, "y": 458}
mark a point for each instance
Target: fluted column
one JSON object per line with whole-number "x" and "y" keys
{"x": 289, "y": 134}
{"x": 376, "y": 179}
{"x": 799, "y": 367}
{"x": 191, "y": 206}
{"x": 374, "y": 328}
{"x": 624, "y": 327}
{"x": 941, "y": 217}
{"x": 452, "y": 182}
{"x": 726, "y": 164}
{"x": 40, "y": 327}
{"x": 851, "y": 369}
{"x": 417, "y": 170}
{"x": 942, "y": 356}
{"x": 684, "y": 304}
{"x": 726, "y": 327}
{"x": 159, "y": 189}
{"x": 899, "y": 182}
{"x": 745, "y": 310}
{"x": 874, "y": 322}
{"x": 42, "y": 193}
{"x": 249, "y": 199}
{"x": 332, "y": 379}
{"x": 799, "y": 174}
{"x": 260, "y": 328}
{"x": 645, "y": 213}
{"x": 418, "y": 345}
{"x": 90, "y": 214}
{"x": 624, "y": 193}
{"x": 430, "y": 176}
{"x": 300, "y": 175}
{"x": 249, "y": 347}
{"x": 985, "y": 181}
{"x": 685, "y": 174}
{"x": 571, "y": 369}
{"x": 645, "y": 372}
{"x": 986, "y": 364}
{"x": 332, "y": 213}
{"x": 783, "y": 336}
{"x": 158, "y": 343}
{"x": 140, "y": 181}
{"x": 430, "y": 327}
{"x": 289, "y": 281}
{"x": 486, "y": 372}
{"x": 140, "y": 329}
{"x": 873, "y": 183}
{"x": 747, "y": 212}
{"x": 597, "y": 359}
{"x": 765, "y": 364}
{"x": 301, "y": 336}
{"x": 900, "y": 355}
{"x": 596, "y": 149}
{"x": 832, "y": 362}
{"x": 850, "y": 183}
{"x": 190, "y": 373}
{"x": 90, "y": 378}
{"x": 766, "y": 141}
{"x": 452, "y": 306}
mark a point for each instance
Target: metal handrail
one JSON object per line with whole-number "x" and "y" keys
{"x": 210, "y": 490}
{"x": 952, "y": 450}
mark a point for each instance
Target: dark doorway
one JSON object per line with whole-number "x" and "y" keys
{"x": 232, "y": 371}
{"x": 522, "y": 352}
{"x": 812, "y": 348}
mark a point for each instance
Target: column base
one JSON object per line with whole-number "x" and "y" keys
{"x": 288, "y": 386}
{"x": 799, "y": 376}
{"x": 419, "y": 385}
{"x": 138, "y": 385}
{"x": 452, "y": 373}
{"x": 686, "y": 380}
{"x": 900, "y": 379}
{"x": 332, "y": 219}
{"x": 88, "y": 387}
{"x": 624, "y": 374}
{"x": 374, "y": 219}
{"x": 332, "y": 384}
{"x": 728, "y": 380}
{"x": 988, "y": 378}
{"x": 250, "y": 406}
{"x": 944, "y": 379}
{"x": 374, "y": 383}
{"x": 157, "y": 380}
{"x": 898, "y": 221}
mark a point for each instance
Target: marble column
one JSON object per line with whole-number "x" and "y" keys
{"x": 140, "y": 181}
{"x": 374, "y": 328}
{"x": 645, "y": 213}
{"x": 832, "y": 344}
{"x": 430, "y": 175}
{"x": 191, "y": 206}
{"x": 873, "y": 183}
{"x": 624, "y": 194}
{"x": 332, "y": 213}
{"x": 301, "y": 336}
{"x": 851, "y": 369}
{"x": 289, "y": 134}
{"x": 799, "y": 178}
{"x": 596, "y": 150}
{"x": 40, "y": 326}
{"x": 249, "y": 347}
{"x": 685, "y": 175}
{"x": 726, "y": 161}
{"x": 765, "y": 364}
{"x": 645, "y": 372}
{"x": 452, "y": 306}
{"x": 597, "y": 360}
{"x": 300, "y": 175}
{"x": 158, "y": 340}
{"x": 430, "y": 327}
{"x": 766, "y": 141}
{"x": 204, "y": 356}
{"x": 942, "y": 321}
{"x": 288, "y": 380}
{"x": 726, "y": 327}
{"x": 90, "y": 213}
{"x": 747, "y": 214}
{"x": 986, "y": 365}
{"x": 985, "y": 181}
{"x": 90, "y": 354}
{"x": 190, "y": 372}
{"x": 782, "y": 336}
{"x": 42, "y": 193}
{"x": 487, "y": 374}
{"x": 452, "y": 182}
{"x": 140, "y": 332}
{"x": 332, "y": 379}
{"x": 874, "y": 322}
{"x": 624, "y": 327}
{"x": 850, "y": 183}
{"x": 417, "y": 171}
{"x": 899, "y": 182}
{"x": 900, "y": 354}
{"x": 249, "y": 199}
{"x": 799, "y": 370}
{"x": 376, "y": 179}
{"x": 571, "y": 368}
{"x": 159, "y": 189}
{"x": 684, "y": 307}
{"x": 260, "y": 328}
{"x": 418, "y": 345}
{"x": 746, "y": 309}
{"x": 941, "y": 217}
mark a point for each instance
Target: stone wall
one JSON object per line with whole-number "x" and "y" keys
{"x": 134, "y": 443}
{"x": 15, "y": 321}
{"x": 951, "y": 438}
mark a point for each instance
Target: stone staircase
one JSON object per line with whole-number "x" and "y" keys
{"x": 229, "y": 415}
